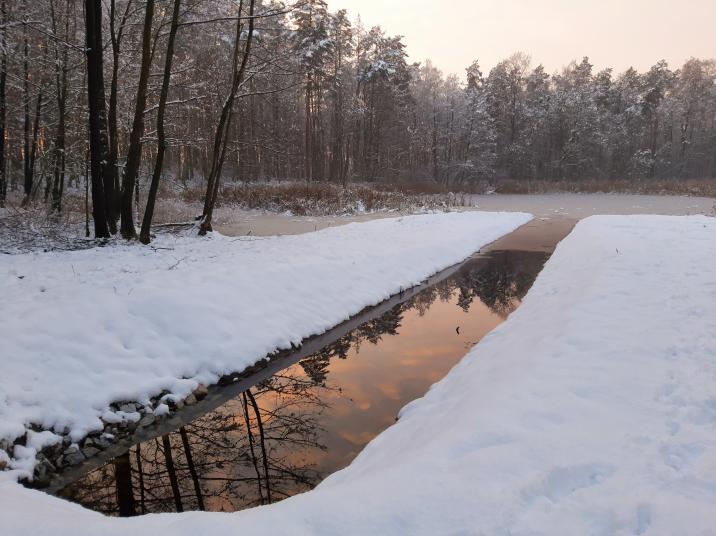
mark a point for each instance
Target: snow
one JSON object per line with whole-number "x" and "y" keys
{"x": 84, "y": 329}
{"x": 590, "y": 411}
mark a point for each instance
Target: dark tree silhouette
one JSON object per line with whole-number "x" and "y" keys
{"x": 102, "y": 185}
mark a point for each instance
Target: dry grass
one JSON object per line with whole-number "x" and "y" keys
{"x": 32, "y": 228}
{"x": 326, "y": 199}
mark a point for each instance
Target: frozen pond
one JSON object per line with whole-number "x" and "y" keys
{"x": 575, "y": 206}
{"x": 582, "y": 205}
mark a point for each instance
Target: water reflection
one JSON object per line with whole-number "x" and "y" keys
{"x": 286, "y": 434}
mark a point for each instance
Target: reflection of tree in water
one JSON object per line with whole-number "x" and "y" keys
{"x": 502, "y": 282}
{"x": 499, "y": 280}
{"x": 256, "y": 449}
{"x": 263, "y": 445}
{"x": 316, "y": 365}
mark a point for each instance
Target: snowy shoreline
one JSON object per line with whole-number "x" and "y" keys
{"x": 113, "y": 328}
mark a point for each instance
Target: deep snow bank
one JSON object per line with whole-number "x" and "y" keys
{"x": 83, "y": 329}
{"x": 590, "y": 411}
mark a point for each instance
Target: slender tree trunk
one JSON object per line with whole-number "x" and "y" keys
{"x": 26, "y": 108}
{"x": 33, "y": 143}
{"x": 144, "y": 235}
{"x": 171, "y": 471}
{"x": 140, "y": 473}
{"x": 123, "y": 484}
{"x": 87, "y": 229}
{"x": 116, "y": 35}
{"x": 654, "y": 138}
{"x": 192, "y": 469}
{"x": 58, "y": 182}
{"x": 102, "y": 192}
{"x": 3, "y": 102}
{"x": 308, "y": 149}
{"x": 222, "y": 130}
{"x": 134, "y": 154}
{"x": 434, "y": 147}
{"x": 250, "y": 435}
{"x": 262, "y": 438}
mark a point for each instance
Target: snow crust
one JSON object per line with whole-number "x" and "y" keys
{"x": 83, "y": 329}
{"x": 592, "y": 410}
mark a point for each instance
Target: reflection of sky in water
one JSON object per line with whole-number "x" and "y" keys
{"x": 378, "y": 380}
{"x": 317, "y": 415}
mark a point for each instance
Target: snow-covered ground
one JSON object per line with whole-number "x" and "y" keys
{"x": 592, "y": 410}
{"x": 83, "y": 329}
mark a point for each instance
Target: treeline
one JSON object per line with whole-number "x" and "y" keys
{"x": 210, "y": 90}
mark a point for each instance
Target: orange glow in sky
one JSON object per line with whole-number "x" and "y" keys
{"x": 613, "y": 33}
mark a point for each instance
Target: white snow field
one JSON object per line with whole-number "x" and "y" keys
{"x": 592, "y": 410}
{"x": 84, "y": 329}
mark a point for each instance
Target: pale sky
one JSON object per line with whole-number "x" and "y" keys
{"x": 613, "y": 33}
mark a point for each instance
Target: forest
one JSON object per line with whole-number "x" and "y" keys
{"x": 119, "y": 101}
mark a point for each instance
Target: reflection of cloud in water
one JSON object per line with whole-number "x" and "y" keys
{"x": 363, "y": 405}
{"x": 390, "y": 390}
{"x": 360, "y": 438}
{"x": 417, "y": 356}
{"x": 410, "y": 362}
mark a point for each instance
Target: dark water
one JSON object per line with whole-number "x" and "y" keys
{"x": 285, "y": 434}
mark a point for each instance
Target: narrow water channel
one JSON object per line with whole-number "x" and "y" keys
{"x": 283, "y": 435}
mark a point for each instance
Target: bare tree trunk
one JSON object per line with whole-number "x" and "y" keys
{"x": 144, "y": 235}
{"x": 192, "y": 469}
{"x": 338, "y": 156}
{"x": 33, "y": 143}
{"x": 87, "y": 230}
{"x": 140, "y": 473}
{"x": 134, "y": 154}
{"x": 115, "y": 35}
{"x": 123, "y": 484}
{"x": 102, "y": 192}
{"x": 3, "y": 103}
{"x": 58, "y": 183}
{"x": 222, "y": 130}
{"x": 171, "y": 471}
{"x": 250, "y": 435}
{"x": 26, "y": 108}
{"x": 308, "y": 149}
{"x": 262, "y": 437}
{"x": 434, "y": 147}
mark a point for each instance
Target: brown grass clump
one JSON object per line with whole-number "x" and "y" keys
{"x": 325, "y": 199}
